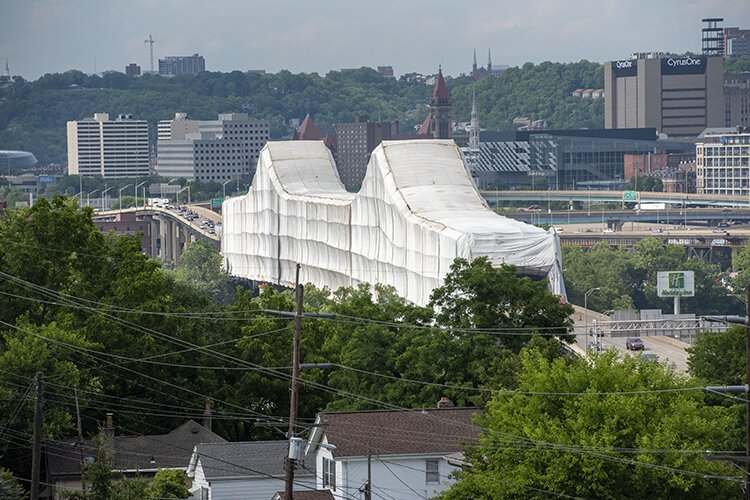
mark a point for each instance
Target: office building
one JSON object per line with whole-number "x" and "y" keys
{"x": 722, "y": 161}
{"x": 108, "y": 148}
{"x": 132, "y": 69}
{"x": 216, "y": 150}
{"x": 736, "y": 42}
{"x": 566, "y": 159}
{"x": 182, "y": 65}
{"x": 354, "y": 143}
{"x": 679, "y": 96}
{"x": 737, "y": 100}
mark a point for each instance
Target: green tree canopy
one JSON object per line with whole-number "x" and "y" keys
{"x": 719, "y": 358}
{"x": 599, "y": 445}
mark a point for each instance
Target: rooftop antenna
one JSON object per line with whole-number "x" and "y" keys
{"x": 150, "y": 42}
{"x": 7, "y": 69}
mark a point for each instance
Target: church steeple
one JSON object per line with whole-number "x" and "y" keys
{"x": 440, "y": 109}
{"x": 474, "y": 65}
{"x": 489, "y": 61}
{"x": 474, "y": 127}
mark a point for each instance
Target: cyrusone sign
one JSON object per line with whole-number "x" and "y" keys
{"x": 627, "y": 67}
{"x": 683, "y": 65}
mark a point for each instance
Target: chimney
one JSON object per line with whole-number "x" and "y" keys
{"x": 109, "y": 436}
{"x": 445, "y": 403}
{"x": 207, "y": 415}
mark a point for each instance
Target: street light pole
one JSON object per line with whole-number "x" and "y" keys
{"x": 119, "y": 196}
{"x": 88, "y": 197}
{"x": 144, "y": 195}
{"x": 586, "y": 310}
{"x": 224, "y": 188}
{"x": 103, "y": 193}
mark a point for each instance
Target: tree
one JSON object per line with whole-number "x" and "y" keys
{"x": 645, "y": 183}
{"x": 200, "y": 267}
{"x": 10, "y": 489}
{"x": 476, "y": 295}
{"x": 168, "y": 484}
{"x": 595, "y": 445}
{"x": 719, "y": 358}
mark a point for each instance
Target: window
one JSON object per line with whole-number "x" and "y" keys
{"x": 204, "y": 493}
{"x": 329, "y": 474}
{"x": 432, "y": 470}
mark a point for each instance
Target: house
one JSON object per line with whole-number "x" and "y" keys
{"x": 246, "y": 471}
{"x": 143, "y": 455}
{"x": 411, "y": 453}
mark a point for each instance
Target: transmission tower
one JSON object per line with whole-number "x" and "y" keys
{"x": 150, "y": 42}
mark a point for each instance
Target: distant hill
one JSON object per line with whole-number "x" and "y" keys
{"x": 33, "y": 114}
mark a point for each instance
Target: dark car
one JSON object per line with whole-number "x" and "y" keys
{"x": 634, "y": 344}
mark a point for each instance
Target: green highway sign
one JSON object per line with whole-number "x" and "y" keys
{"x": 216, "y": 202}
{"x": 630, "y": 196}
{"x": 675, "y": 284}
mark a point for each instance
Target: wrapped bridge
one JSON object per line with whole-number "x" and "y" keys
{"x": 417, "y": 210}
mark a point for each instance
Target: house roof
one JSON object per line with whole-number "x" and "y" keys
{"x": 172, "y": 450}
{"x": 246, "y": 459}
{"x": 399, "y": 432}
{"x": 307, "y": 495}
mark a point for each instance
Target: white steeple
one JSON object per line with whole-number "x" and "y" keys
{"x": 474, "y": 127}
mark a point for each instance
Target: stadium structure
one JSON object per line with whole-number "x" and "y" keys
{"x": 417, "y": 211}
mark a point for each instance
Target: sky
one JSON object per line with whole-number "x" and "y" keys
{"x": 50, "y": 36}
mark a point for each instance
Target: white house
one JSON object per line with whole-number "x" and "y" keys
{"x": 408, "y": 450}
{"x": 245, "y": 471}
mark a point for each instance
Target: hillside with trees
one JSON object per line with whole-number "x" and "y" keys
{"x": 33, "y": 114}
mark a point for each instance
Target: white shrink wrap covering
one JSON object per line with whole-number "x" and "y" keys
{"x": 417, "y": 210}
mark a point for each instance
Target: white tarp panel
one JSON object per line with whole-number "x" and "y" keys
{"x": 417, "y": 210}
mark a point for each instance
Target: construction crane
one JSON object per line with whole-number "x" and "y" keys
{"x": 150, "y": 41}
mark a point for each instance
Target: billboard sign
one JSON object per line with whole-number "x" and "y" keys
{"x": 627, "y": 67}
{"x": 47, "y": 179}
{"x": 683, "y": 65}
{"x": 675, "y": 284}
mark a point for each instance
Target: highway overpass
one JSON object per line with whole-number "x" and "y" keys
{"x": 598, "y": 197}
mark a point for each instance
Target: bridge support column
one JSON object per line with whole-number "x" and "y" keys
{"x": 153, "y": 230}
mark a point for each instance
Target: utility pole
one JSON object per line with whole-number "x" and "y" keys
{"x": 36, "y": 455}
{"x": 291, "y": 462}
{"x": 368, "y": 487}
{"x": 80, "y": 438}
{"x": 747, "y": 405}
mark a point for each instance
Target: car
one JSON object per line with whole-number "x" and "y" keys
{"x": 656, "y": 230}
{"x": 722, "y": 224}
{"x": 634, "y": 344}
{"x": 558, "y": 229}
{"x": 654, "y": 358}
{"x": 608, "y": 230}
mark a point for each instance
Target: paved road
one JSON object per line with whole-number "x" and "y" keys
{"x": 669, "y": 350}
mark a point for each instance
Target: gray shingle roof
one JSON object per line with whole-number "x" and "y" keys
{"x": 135, "y": 452}
{"x": 249, "y": 459}
{"x": 400, "y": 432}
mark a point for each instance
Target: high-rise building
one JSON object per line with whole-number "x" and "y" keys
{"x": 215, "y": 150}
{"x": 712, "y": 37}
{"x": 737, "y": 100}
{"x": 182, "y": 65}
{"x": 736, "y": 42}
{"x": 108, "y": 148}
{"x": 132, "y": 69}
{"x": 354, "y": 143}
{"x": 679, "y": 96}
{"x": 722, "y": 163}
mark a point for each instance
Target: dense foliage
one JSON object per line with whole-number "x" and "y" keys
{"x": 34, "y": 114}
{"x": 585, "y": 445}
{"x": 627, "y": 278}
{"x": 96, "y": 316}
